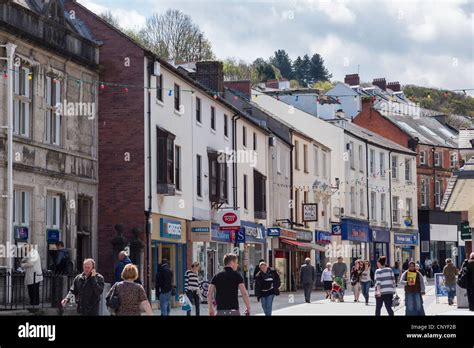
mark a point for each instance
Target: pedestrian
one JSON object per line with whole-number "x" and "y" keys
{"x": 63, "y": 260}
{"x": 31, "y": 263}
{"x": 225, "y": 286}
{"x": 436, "y": 268}
{"x": 450, "y": 272}
{"x": 384, "y": 287}
{"x": 257, "y": 268}
{"x": 123, "y": 261}
{"x": 396, "y": 271}
{"x": 326, "y": 279}
{"x": 419, "y": 269}
{"x": 428, "y": 265}
{"x": 355, "y": 279}
{"x": 267, "y": 284}
{"x": 131, "y": 295}
{"x": 405, "y": 265}
{"x": 414, "y": 289}
{"x": 192, "y": 287}
{"x": 366, "y": 279}
{"x": 339, "y": 274}
{"x": 469, "y": 264}
{"x": 164, "y": 287}
{"x": 87, "y": 288}
{"x": 307, "y": 277}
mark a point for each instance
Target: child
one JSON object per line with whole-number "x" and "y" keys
{"x": 336, "y": 292}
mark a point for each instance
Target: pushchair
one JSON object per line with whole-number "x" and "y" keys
{"x": 337, "y": 290}
{"x": 204, "y": 288}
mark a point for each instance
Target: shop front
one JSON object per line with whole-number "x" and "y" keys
{"x": 355, "y": 238}
{"x": 252, "y": 251}
{"x": 439, "y": 242}
{"x": 379, "y": 244}
{"x": 169, "y": 242}
{"x": 405, "y": 246}
{"x": 323, "y": 239}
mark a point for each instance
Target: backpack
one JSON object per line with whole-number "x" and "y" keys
{"x": 462, "y": 278}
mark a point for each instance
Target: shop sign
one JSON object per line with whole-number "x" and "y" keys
{"x": 170, "y": 228}
{"x": 355, "y": 230}
{"x": 52, "y": 235}
{"x": 323, "y": 237}
{"x": 408, "y": 222}
{"x": 200, "y": 231}
{"x": 381, "y": 235}
{"x": 287, "y": 234}
{"x": 21, "y": 233}
{"x": 306, "y": 236}
{"x": 273, "y": 232}
{"x": 310, "y": 212}
{"x": 240, "y": 235}
{"x": 229, "y": 220}
{"x": 405, "y": 238}
{"x": 218, "y": 235}
{"x": 465, "y": 230}
{"x": 440, "y": 287}
{"x": 336, "y": 229}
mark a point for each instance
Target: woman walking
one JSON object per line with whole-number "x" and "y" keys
{"x": 450, "y": 272}
{"x": 355, "y": 279}
{"x": 267, "y": 283}
{"x": 326, "y": 279}
{"x": 31, "y": 263}
{"x": 384, "y": 286}
{"x": 414, "y": 289}
{"x": 366, "y": 279}
{"x": 191, "y": 287}
{"x": 396, "y": 271}
{"x": 132, "y": 298}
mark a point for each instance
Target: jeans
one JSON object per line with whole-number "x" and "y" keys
{"x": 33, "y": 293}
{"x": 307, "y": 291}
{"x": 451, "y": 288}
{"x": 195, "y": 300}
{"x": 165, "y": 305}
{"x": 413, "y": 304}
{"x": 386, "y": 300}
{"x": 365, "y": 290}
{"x": 267, "y": 303}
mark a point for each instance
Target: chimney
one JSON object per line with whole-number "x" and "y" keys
{"x": 352, "y": 79}
{"x": 211, "y": 75}
{"x": 394, "y": 86}
{"x": 272, "y": 84}
{"x": 243, "y": 87}
{"x": 381, "y": 83}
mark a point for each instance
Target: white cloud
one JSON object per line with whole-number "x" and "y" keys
{"x": 129, "y": 19}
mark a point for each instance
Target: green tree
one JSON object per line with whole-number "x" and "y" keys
{"x": 317, "y": 70}
{"x": 265, "y": 70}
{"x": 323, "y": 86}
{"x": 297, "y": 69}
{"x": 110, "y": 18}
{"x": 282, "y": 62}
{"x": 239, "y": 70}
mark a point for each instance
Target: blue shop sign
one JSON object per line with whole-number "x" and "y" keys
{"x": 170, "y": 228}
{"x": 200, "y": 229}
{"x": 21, "y": 233}
{"x": 355, "y": 230}
{"x": 273, "y": 232}
{"x": 219, "y": 236}
{"x": 380, "y": 235}
{"x": 336, "y": 229}
{"x": 323, "y": 237}
{"x": 406, "y": 238}
{"x": 52, "y": 235}
{"x": 254, "y": 233}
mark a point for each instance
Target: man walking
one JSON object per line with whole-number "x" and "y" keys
{"x": 164, "y": 287}
{"x": 339, "y": 273}
{"x": 123, "y": 261}
{"x": 307, "y": 276}
{"x": 87, "y": 288}
{"x": 226, "y": 285}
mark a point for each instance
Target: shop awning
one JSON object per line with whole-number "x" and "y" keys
{"x": 302, "y": 245}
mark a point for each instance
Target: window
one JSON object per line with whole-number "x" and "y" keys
{"x": 278, "y": 159}
{"x": 409, "y": 208}
{"x": 408, "y": 170}
{"x": 159, "y": 87}
{"x": 316, "y": 160}
{"x": 22, "y": 101}
{"x": 382, "y": 207}
{"x": 53, "y": 211}
{"x": 373, "y": 213}
{"x": 177, "y": 167}
{"x": 246, "y": 206}
{"x": 259, "y": 195}
{"x": 361, "y": 202}
{"x": 453, "y": 160}
{"x": 218, "y": 178}
{"x": 372, "y": 161}
{"x": 305, "y": 158}
{"x": 177, "y": 97}
{"x": 382, "y": 165}
{"x": 226, "y": 125}
{"x": 198, "y": 175}
{"x": 244, "y": 136}
{"x": 394, "y": 167}
{"x": 198, "y": 109}
{"x": 423, "y": 157}
{"x": 213, "y": 118}
{"x": 395, "y": 217}
{"x": 297, "y": 162}
{"x": 165, "y": 161}
{"x": 84, "y": 214}
{"x": 437, "y": 159}
{"x": 350, "y": 150}
{"x": 424, "y": 192}
{"x": 361, "y": 159}
{"x": 21, "y": 208}
{"x": 53, "y": 114}
{"x": 438, "y": 193}
{"x": 254, "y": 141}
{"x": 352, "y": 200}
{"x": 325, "y": 164}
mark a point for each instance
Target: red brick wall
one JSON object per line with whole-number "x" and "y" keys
{"x": 121, "y": 131}
{"x": 241, "y": 86}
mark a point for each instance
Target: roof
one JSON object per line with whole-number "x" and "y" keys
{"x": 370, "y": 137}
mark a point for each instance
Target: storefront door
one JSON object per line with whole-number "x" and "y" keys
{"x": 211, "y": 263}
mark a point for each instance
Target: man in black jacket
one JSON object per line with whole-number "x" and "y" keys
{"x": 87, "y": 289}
{"x": 164, "y": 286}
{"x": 307, "y": 274}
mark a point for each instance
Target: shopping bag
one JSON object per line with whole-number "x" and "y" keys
{"x": 186, "y": 304}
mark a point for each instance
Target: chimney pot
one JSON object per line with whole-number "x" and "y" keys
{"x": 352, "y": 79}
{"x": 380, "y": 82}
{"x": 211, "y": 75}
{"x": 394, "y": 86}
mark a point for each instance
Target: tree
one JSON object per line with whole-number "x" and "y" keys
{"x": 264, "y": 70}
{"x": 323, "y": 86}
{"x": 173, "y": 35}
{"x": 240, "y": 70}
{"x": 301, "y": 67}
{"x": 282, "y": 62}
{"x": 297, "y": 72}
{"x": 110, "y": 18}
{"x": 317, "y": 70}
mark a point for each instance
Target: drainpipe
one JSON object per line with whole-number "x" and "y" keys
{"x": 235, "y": 118}
{"x": 291, "y": 185}
{"x": 148, "y": 212}
{"x": 367, "y": 185}
{"x": 390, "y": 195}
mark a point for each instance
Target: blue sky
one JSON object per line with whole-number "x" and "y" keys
{"x": 424, "y": 42}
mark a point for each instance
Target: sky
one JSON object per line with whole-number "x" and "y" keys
{"x": 424, "y": 42}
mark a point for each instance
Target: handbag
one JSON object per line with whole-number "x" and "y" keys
{"x": 113, "y": 300}
{"x": 396, "y": 300}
